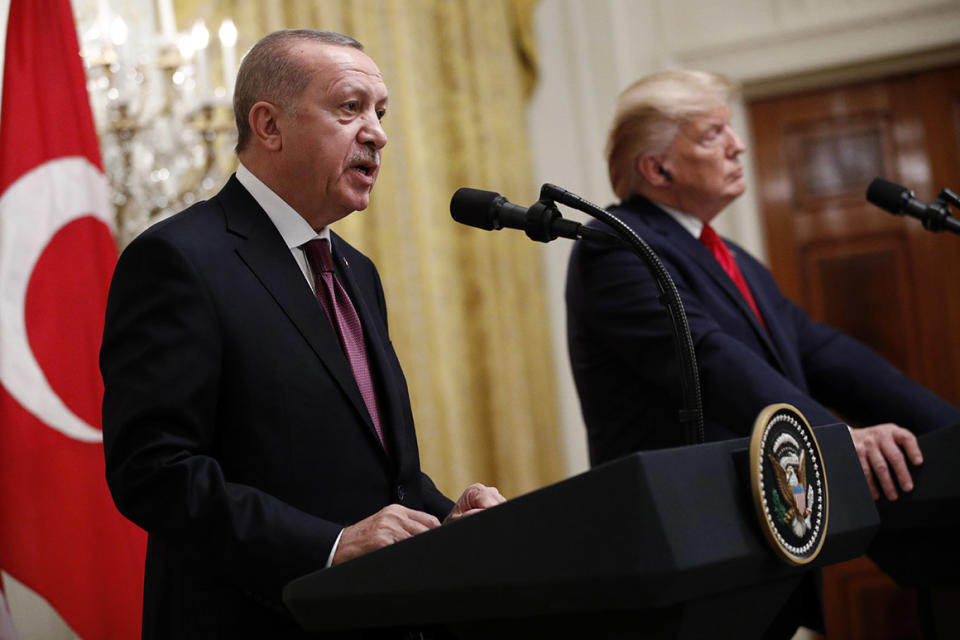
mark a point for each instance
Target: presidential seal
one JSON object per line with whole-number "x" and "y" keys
{"x": 789, "y": 484}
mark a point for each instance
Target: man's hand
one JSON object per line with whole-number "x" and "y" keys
{"x": 879, "y": 450}
{"x": 391, "y": 524}
{"x": 475, "y": 498}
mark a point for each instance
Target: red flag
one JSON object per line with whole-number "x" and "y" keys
{"x": 60, "y": 533}
{"x": 7, "y": 632}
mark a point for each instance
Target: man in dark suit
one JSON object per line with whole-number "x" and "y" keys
{"x": 673, "y": 160}
{"x": 256, "y": 419}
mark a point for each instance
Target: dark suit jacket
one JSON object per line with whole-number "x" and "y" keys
{"x": 625, "y": 367}
{"x": 234, "y": 431}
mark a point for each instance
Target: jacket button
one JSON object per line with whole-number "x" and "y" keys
{"x": 401, "y": 493}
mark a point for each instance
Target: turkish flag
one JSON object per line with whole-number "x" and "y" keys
{"x": 60, "y": 533}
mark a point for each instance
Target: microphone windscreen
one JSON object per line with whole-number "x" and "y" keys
{"x": 887, "y": 195}
{"x": 474, "y": 207}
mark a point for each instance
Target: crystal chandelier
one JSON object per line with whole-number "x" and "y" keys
{"x": 166, "y": 131}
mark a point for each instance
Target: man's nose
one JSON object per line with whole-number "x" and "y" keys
{"x": 736, "y": 146}
{"x": 372, "y": 132}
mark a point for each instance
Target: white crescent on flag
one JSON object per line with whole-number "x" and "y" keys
{"x": 32, "y": 210}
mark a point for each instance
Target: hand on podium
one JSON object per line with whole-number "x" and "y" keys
{"x": 476, "y": 497}
{"x": 391, "y": 524}
{"x": 394, "y": 523}
{"x": 879, "y": 449}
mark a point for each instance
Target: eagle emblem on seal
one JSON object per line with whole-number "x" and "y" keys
{"x": 791, "y": 473}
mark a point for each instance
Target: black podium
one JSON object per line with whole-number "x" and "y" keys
{"x": 664, "y": 541}
{"x": 917, "y": 543}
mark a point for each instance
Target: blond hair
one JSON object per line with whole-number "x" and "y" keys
{"x": 648, "y": 114}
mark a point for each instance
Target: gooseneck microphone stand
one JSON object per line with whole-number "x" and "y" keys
{"x": 691, "y": 410}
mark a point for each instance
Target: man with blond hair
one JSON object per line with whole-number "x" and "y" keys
{"x": 256, "y": 420}
{"x": 674, "y": 162}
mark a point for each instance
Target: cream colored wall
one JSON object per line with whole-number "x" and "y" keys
{"x": 590, "y": 51}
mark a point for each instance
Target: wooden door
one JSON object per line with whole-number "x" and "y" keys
{"x": 880, "y": 278}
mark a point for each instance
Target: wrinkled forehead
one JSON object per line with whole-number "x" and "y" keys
{"x": 712, "y": 114}
{"x": 696, "y": 103}
{"x": 334, "y": 64}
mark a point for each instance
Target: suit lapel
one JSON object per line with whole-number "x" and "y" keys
{"x": 765, "y": 305}
{"x": 260, "y": 246}
{"x": 706, "y": 262}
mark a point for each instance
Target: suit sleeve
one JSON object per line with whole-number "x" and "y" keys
{"x": 161, "y": 364}
{"x": 434, "y": 502}
{"x": 737, "y": 381}
{"x": 616, "y": 308}
{"x": 861, "y": 385}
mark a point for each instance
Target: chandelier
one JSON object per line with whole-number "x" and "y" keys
{"x": 165, "y": 125}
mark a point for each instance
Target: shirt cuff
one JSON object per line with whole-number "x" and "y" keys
{"x": 333, "y": 550}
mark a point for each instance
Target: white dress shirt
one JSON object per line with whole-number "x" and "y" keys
{"x": 294, "y": 229}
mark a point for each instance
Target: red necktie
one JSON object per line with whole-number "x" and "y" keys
{"x": 720, "y": 251}
{"x": 343, "y": 317}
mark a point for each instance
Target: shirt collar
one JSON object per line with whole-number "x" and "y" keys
{"x": 685, "y": 220}
{"x": 292, "y": 227}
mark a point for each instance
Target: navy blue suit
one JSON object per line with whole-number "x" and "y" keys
{"x": 625, "y": 367}
{"x": 234, "y": 431}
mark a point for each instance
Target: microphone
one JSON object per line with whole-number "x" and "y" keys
{"x": 899, "y": 200}
{"x": 541, "y": 221}
{"x": 894, "y": 198}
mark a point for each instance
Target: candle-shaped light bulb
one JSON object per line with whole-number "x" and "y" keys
{"x": 185, "y": 46}
{"x": 118, "y": 32}
{"x": 201, "y": 38}
{"x": 118, "y": 36}
{"x": 228, "y": 33}
{"x": 228, "y": 43}
{"x": 104, "y": 17}
{"x": 168, "y": 21}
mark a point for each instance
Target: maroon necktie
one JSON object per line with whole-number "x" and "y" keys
{"x": 343, "y": 317}
{"x": 720, "y": 251}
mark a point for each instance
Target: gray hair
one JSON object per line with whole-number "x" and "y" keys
{"x": 269, "y": 72}
{"x": 648, "y": 115}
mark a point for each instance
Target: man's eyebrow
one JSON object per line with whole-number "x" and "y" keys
{"x": 712, "y": 123}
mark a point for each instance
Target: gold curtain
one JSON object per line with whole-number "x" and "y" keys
{"x": 467, "y": 311}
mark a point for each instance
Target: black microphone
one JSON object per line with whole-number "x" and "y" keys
{"x": 541, "y": 221}
{"x": 894, "y": 198}
{"x": 899, "y": 200}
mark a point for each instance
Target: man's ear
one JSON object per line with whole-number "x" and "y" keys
{"x": 264, "y": 125}
{"x": 653, "y": 171}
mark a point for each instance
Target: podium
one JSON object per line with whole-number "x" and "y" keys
{"x": 917, "y": 543}
{"x": 659, "y": 544}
